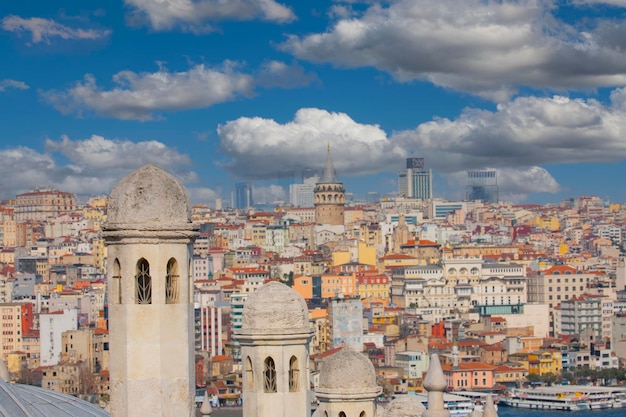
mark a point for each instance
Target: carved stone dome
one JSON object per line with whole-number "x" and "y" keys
{"x": 404, "y": 406}
{"x": 147, "y": 196}
{"x": 347, "y": 370}
{"x": 275, "y": 307}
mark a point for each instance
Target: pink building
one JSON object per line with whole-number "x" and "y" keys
{"x": 469, "y": 376}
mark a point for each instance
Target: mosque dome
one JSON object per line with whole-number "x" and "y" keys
{"x": 347, "y": 370}
{"x": 275, "y": 307}
{"x": 147, "y": 196}
{"x": 17, "y": 400}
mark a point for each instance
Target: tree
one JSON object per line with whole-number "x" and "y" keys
{"x": 549, "y": 378}
{"x": 533, "y": 378}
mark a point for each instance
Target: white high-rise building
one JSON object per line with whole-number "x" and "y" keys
{"x": 416, "y": 181}
{"x": 301, "y": 195}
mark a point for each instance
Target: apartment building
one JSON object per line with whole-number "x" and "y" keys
{"x": 42, "y": 204}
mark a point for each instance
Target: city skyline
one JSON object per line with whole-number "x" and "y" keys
{"x": 256, "y": 91}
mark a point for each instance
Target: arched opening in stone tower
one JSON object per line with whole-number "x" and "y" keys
{"x": 143, "y": 283}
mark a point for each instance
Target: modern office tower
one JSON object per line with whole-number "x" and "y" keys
{"x": 482, "y": 185}
{"x": 403, "y": 184}
{"x": 330, "y": 199}
{"x": 416, "y": 181}
{"x": 42, "y": 204}
{"x": 421, "y": 185}
{"x": 302, "y": 195}
{"x": 243, "y": 195}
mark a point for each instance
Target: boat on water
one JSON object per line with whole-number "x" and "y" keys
{"x": 543, "y": 398}
{"x": 459, "y": 404}
{"x": 601, "y": 397}
{"x": 565, "y": 397}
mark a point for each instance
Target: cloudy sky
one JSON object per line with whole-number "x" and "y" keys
{"x": 219, "y": 92}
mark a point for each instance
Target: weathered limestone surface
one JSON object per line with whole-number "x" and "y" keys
{"x": 151, "y": 344}
{"x": 403, "y": 406}
{"x": 347, "y": 384}
{"x": 275, "y": 307}
{"x": 147, "y": 196}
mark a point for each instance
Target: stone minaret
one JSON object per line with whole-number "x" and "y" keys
{"x": 149, "y": 236}
{"x": 329, "y": 196}
{"x": 274, "y": 338}
{"x": 435, "y": 384}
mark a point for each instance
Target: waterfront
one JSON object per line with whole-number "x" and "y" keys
{"x": 502, "y": 412}
{"x": 517, "y": 412}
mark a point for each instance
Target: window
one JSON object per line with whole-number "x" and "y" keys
{"x": 117, "y": 281}
{"x": 294, "y": 374}
{"x": 270, "y": 375}
{"x": 249, "y": 374}
{"x": 143, "y": 283}
{"x": 342, "y": 414}
{"x": 171, "y": 282}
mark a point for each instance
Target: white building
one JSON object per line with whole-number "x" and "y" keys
{"x": 51, "y": 327}
{"x": 302, "y": 195}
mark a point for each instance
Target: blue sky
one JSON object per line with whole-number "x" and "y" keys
{"x": 219, "y": 92}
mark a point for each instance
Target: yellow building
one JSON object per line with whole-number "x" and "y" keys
{"x": 333, "y": 285}
{"x": 367, "y": 254}
{"x": 373, "y": 286}
{"x": 9, "y": 233}
{"x": 550, "y": 223}
{"x": 542, "y": 363}
{"x": 7, "y": 256}
{"x": 303, "y": 285}
{"x": 510, "y": 375}
{"x": 531, "y": 344}
{"x": 397, "y": 260}
{"x": 258, "y": 233}
{"x": 341, "y": 257}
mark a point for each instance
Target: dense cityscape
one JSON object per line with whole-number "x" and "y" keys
{"x": 515, "y": 293}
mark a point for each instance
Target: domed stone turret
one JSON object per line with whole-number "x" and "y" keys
{"x": 149, "y": 237}
{"x": 403, "y": 406}
{"x": 347, "y": 370}
{"x": 275, "y": 307}
{"x": 347, "y": 385}
{"x": 147, "y": 196}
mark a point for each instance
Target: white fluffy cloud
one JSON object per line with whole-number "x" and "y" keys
{"x": 7, "y": 83}
{"x": 525, "y": 132}
{"x": 93, "y": 165}
{"x": 44, "y": 30}
{"x": 195, "y": 15}
{"x": 139, "y": 95}
{"x": 488, "y": 48}
{"x": 514, "y": 183}
{"x": 517, "y": 139}
{"x": 261, "y": 148}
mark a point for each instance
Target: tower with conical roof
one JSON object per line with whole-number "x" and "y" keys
{"x": 329, "y": 196}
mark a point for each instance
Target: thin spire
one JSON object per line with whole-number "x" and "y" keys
{"x": 329, "y": 175}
